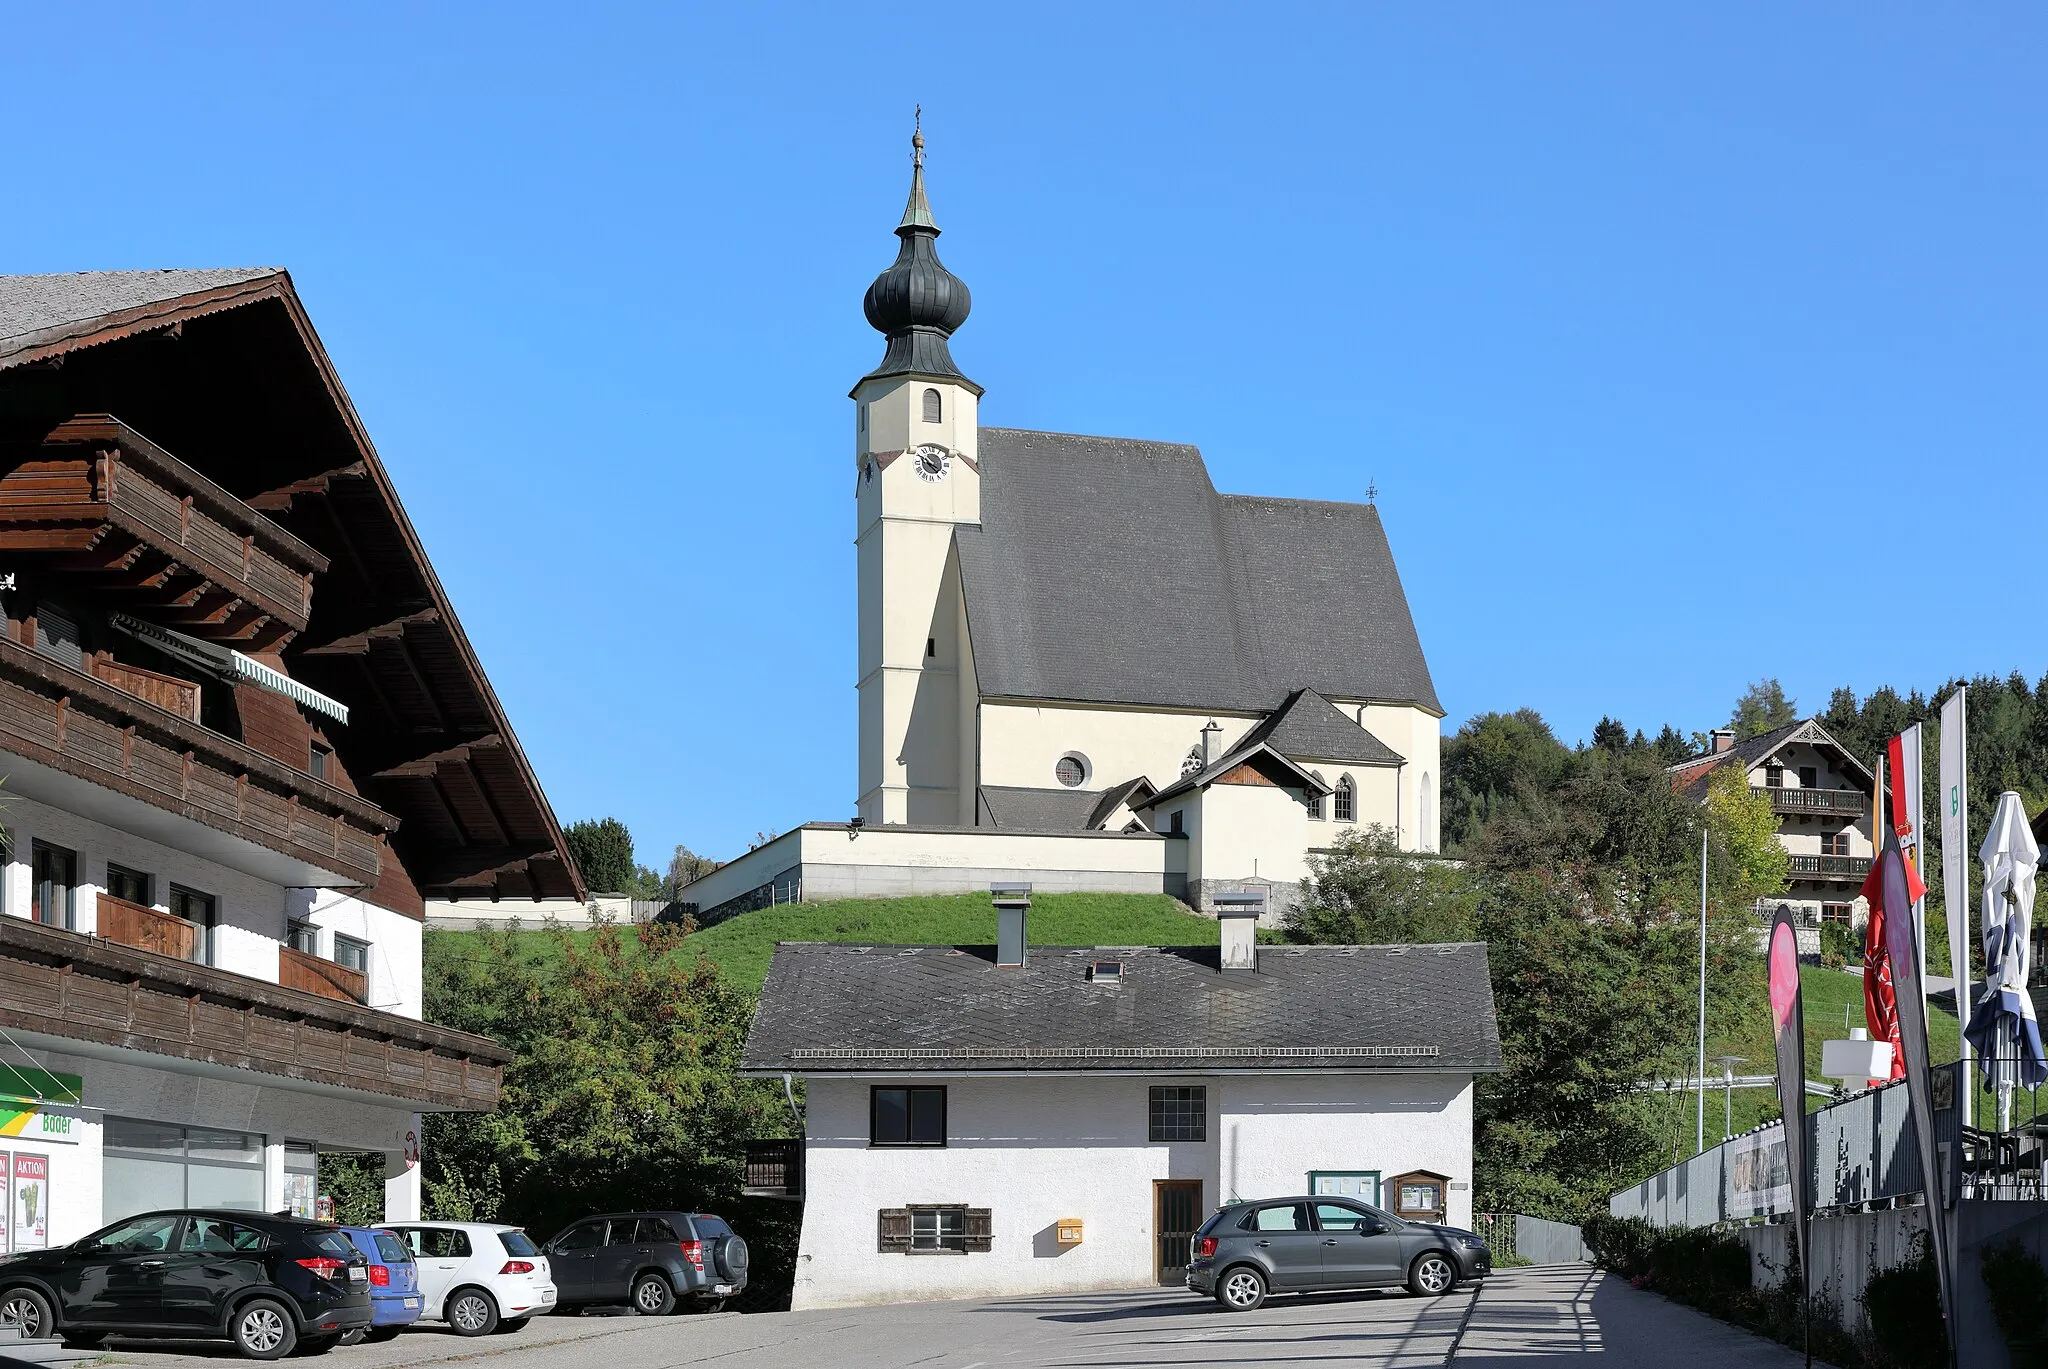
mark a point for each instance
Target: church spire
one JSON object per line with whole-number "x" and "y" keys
{"x": 917, "y": 303}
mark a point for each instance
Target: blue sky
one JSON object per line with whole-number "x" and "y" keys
{"x": 1659, "y": 332}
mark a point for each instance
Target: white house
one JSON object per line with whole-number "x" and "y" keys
{"x": 984, "y": 1121}
{"x": 1054, "y": 629}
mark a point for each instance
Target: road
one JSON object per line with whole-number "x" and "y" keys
{"x": 1521, "y": 1319}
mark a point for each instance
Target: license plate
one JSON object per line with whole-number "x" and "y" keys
{"x": 547, "y": 1295}
{"x": 721, "y": 1288}
{"x": 411, "y": 1303}
{"x": 358, "y": 1274}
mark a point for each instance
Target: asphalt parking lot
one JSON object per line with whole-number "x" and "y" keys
{"x": 1568, "y": 1315}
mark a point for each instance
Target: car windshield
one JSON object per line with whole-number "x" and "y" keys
{"x": 389, "y": 1250}
{"x": 517, "y": 1243}
{"x": 709, "y": 1227}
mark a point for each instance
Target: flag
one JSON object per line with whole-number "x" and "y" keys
{"x": 1880, "y": 1003}
{"x": 1788, "y": 1018}
{"x": 1955, "y": 857}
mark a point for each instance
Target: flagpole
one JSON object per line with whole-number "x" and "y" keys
{"x": 1700, "y": 1131}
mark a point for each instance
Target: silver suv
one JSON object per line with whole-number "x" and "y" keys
{"x": 1309, "y": 1245}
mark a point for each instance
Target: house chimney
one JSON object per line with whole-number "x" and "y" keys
{"x": 1238, "y": 917}
{"x": 1012, "y": 902}
{"x": 1724, "y": 740}
{"x": 1212, "y": 743}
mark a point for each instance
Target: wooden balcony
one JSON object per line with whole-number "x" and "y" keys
{"x": 64, "y": 984}
{"x": 311, "y": 974}
{"x": 774, "y": 1169}
{"x": 167, "y": 692}
{"x": 110, "y": 504}
{"x": 146, "y": 929}
{"x": 71, "y": 722}
{"x": 1847, "y": 869}
{"x": 1830, "y": 803}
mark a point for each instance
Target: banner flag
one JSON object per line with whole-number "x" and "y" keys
{"x": 1955, "y": 864}
{"x": 1788, "y": 1016}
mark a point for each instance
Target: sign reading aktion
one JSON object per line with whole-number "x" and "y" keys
{"x": 31, "y": 1201}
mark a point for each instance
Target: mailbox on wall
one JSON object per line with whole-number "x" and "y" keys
{"x": 1069, "y": 1231}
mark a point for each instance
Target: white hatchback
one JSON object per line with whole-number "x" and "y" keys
{"x": 479, "y": 1277}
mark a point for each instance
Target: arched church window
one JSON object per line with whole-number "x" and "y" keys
{"x": 1315, "y": 800}
{"x": 932, "y": 406}
{"x": 1347, "y": 800}
{"x": 1071, "y": 770}
{"x": 1426, "y": 839}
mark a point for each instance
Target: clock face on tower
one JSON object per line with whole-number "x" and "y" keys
{"x": 933, "y": 461}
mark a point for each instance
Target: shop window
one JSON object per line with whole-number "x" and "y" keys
{"x": 152, "y": 1165}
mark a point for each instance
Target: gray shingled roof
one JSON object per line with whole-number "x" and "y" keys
{"x": 1111, "y": 571}
{"x": 1692, "y": 774}
{"x": 900, "y": 1009}
{"x": 35, "y": 310}
{"x": 1039, "y": 810}
{"x": 1309, "y": 726}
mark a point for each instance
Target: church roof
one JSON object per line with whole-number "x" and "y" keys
{"x": 1310, "y": 726}
{"x": 1039, "y": 810}
{"x": 1109, "y": 570}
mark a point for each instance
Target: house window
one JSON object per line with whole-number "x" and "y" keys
{"x": 933, "y": 406}
{"x": 132, "y": 885}
{"x": 1314, "y": 801}
{"x": 303, "y": 937}
{"x": 1774, "y": 777}
{"x": 1835, "y": 912}
{"x": 1177, "y": 821}
{"x": 57, "y": 635}
{"x": 907, "y": 1116}
{"x": 204, "y": 913}
{"x": 1347, "y": 800}
{"x": 55, "y": 895}
{"x": 316, "y": 762}
{"x": 934, "y": 1229}
{"x": 1834, "y": 843}
{"x": 1809, "y": 777}
{"x": 931, "y": 647}
{"x": 1179, "y": 1113}
{"x": 351, "y": 954}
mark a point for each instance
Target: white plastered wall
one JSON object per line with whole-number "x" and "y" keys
{"x": 1036, "y": 1151}
{"x": 1416, "y": 735}
{"x": 1022, "y": 742}
{"x": 1255, "y": 831}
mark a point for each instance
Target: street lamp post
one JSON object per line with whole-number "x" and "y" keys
{"x": 1728, "y": 1064}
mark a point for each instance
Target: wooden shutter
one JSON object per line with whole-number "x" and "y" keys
{"x": 893, "y": 1230}
{"x": 980, "y": 1230}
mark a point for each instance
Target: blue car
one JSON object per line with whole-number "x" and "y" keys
{"x": 394, "y": 1282}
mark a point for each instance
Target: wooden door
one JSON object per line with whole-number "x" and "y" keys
{"x": 1176, "y": 1213}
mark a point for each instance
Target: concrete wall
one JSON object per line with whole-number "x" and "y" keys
{"x": 1847, "y": 1250}
{"x": 465, "y": 915}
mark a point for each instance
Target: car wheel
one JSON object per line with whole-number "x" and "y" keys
{"x": 1431, "y": 1274}
{"x": 511, "y": 1324}
{"x": 29, "y": 1310}
{"x": 262, "y": 1329}
{"x": 471, "y": 1312}
{"x": 310, "y": 1346}
{"x": 1243, "y": 1289}
{"x": 377, "y": 1335}
{"x": 652, "y": 1297}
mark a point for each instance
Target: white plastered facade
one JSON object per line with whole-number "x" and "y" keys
{"x": 1039, "y": 1150}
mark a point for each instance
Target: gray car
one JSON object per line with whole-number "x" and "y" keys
{"x": 1306, "y": 1245}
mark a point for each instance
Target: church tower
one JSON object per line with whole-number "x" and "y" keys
{"x": 918, "y": 478}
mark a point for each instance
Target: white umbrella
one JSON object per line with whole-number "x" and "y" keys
{"x": 2002, "y": 1027}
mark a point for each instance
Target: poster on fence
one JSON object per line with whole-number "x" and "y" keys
{"x": 1759, "y": 1181}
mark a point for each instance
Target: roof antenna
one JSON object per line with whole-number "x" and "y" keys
{"x": 1372, "y": 491}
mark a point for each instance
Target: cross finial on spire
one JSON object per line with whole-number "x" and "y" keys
{"x": 917, "y": 213}
{"x": 1372, "y": 491}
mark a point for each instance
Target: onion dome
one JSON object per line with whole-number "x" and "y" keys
{"x": 917, "y": 303}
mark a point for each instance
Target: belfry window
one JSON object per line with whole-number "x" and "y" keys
{"x": 933, "y": 406}
{"x": 1347, "y": 800}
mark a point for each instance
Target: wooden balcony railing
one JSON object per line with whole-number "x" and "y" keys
{"x": 1827, "y": 867}
{"x": 70, "y": 721}
{"x": 82, "y": 988}
{"x": 311, "y": 974}
{"x": 146, "y": 929}
{"x": 1848, "y": 803}
{"x": 775, "y": 1169}
{"x": 167, "y": 692}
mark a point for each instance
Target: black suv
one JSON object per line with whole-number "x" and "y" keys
{"x": 270, "y": 1284}
{"x": 1304, "y": 1245}
{"x": 655, "y": 1262}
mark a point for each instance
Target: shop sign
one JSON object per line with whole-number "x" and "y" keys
{"x": 38, "y": 1105}
{"x": 31, "y": 1202}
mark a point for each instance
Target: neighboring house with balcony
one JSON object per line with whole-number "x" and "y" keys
{"x": 243, "y": 739}
{"x": 984, "y": 1121}
{"x": 1822, "y": 796}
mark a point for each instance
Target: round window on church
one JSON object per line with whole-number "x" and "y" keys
{"x": 1072, "y": 770}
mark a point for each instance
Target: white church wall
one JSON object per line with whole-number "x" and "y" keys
{"x": 1416, "y": 735}
{"x": 1022, "y": 742}
{"x": 1254, "y": 831}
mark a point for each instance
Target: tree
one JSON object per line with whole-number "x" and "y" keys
{"x": 1610, "y": 735}
{"x": 603, "y": 851}
{"x": 1490, "y": 762}
{"x": 1365, "y": 891}
{"x": 1671, "y": 746}
{"x": 685, "y": 867}
{"x": 1762, "y": 708}
{"x": 1748, "y": 827}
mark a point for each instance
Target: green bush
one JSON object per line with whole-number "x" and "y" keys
{"x": 1903, "y": 1304}
{"x": 2019, "y": 1290}
{"x": 1840, "y": 939}
{"x": 1619, "y": 1244}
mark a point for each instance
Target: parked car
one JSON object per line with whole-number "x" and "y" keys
{"x": 654, "y": 1262}
{"x": 394, "y": 1284}
{"x": 478, "y": 1277}
{"x": 1303, "y": 1245}
{"x": 270, "y": 1284}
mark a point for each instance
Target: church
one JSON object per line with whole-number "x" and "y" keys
{"x": 1083, "y": 668}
